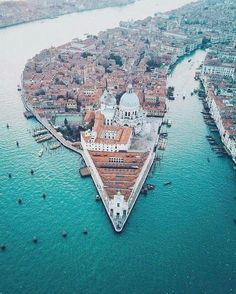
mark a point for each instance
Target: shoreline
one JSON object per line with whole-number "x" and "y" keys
{"x": 62, "y": 14}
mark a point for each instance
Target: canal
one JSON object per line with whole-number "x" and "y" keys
{"x": 179, "y": 238}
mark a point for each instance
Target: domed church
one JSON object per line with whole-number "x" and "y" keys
{"x": 108, "y": 107}
{"x": 130, "y": 112}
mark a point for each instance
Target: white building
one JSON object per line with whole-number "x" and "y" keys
{"x": 226, "y": 70}
{"x": 106, "y": 138}
{"x": 118, "y": 207}
{"x": 108, "y": 107}
{"x": 130, "y": 112}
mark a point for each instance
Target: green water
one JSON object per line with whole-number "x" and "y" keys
{"x": 60, "y": 119}
{"x": 178, "y": 239}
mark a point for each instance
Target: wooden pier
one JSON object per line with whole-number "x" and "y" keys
{"x": 84, "y": 172}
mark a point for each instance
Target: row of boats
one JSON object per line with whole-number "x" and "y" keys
{"x": 41, "y": 136}
{"x": 217, "y": 148}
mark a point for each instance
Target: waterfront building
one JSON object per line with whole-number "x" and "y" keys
{"x": 216, "y": 67}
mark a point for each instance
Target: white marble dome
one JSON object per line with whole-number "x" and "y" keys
{"x": 129, "y": 99}
{"x": 108, "y": 99}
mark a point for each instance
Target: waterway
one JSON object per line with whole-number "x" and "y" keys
{"x": 178, "y": 239}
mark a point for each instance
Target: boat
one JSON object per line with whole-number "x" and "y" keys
{"x": 189, "y": 60}
{"x": 18, "y": 88}
{"x": 44, "y": 138}
{"x": 3, "y": 247}
{"x": 144, "y": 190}
{"x": 150, "y": 186}
{"x": 64, "y": 234}
{"x": 184, "y": 97}
{"x": 55, "y": 146}
{"x": 98, "y": 197}
{"x": 167, "y": 183}
{"x": 40, "y": 153}
{"x": 169, "y": 123}
{"x": 40, "y": 132}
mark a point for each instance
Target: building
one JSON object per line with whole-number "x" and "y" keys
{"x": 130, "y": 112}
{"x": 108, "y": 107}
{"x": 107, "y": 138}
{"x": 215, "y": 67}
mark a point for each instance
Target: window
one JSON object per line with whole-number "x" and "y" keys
{"x": 115, "y": 159}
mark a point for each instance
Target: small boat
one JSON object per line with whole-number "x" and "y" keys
{"x": 9, "y": 176}
{"x": 167, "y": 183}
{"x": 208, "y": 159}
{"x": 64, "y": 234}
{"x": 144, "y": 191}
{"x": 35, "y": 239}
{"x": 169, "y": 123}
{"x": 8, "y": 126}
{"x": 150, "y": 186}
{"x": 44, "y": 196}
{"x": 85, "y": 231}
{"x": 184, "y": 97}
{"x": 235, "y": 221}
{"x": 55, "y": 146}
{"x": 40, "y": 153}
{"x": 18, "y": 88}
{"x": 192, "y": 93}
{"x": 43, "y": 138}
{"x": 189, "y": 60}
{"x": 19, "y": 201}
{"x": 17, "y": 143}
{"x": 3, "y": 247}
{"x": 98, "y": 197}
{"x": 40, "y": 132}
{"x": 32, "y": 171}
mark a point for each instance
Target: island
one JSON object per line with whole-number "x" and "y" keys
{"x": 18, "y": 12}
{"x": 105, "y": 96}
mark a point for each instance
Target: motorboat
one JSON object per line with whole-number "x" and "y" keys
{"x": 40, "y": 153}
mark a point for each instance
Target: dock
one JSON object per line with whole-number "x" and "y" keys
{"x": 84, "y": 172}
{"x": 28, "y": 114}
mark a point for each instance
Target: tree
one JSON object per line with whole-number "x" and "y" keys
{"x": 65, "y": 122}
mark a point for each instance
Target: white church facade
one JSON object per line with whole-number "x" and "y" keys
{"x": 128, "y": 113}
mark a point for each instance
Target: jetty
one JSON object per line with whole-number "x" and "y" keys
{"x": 85, "y": 172}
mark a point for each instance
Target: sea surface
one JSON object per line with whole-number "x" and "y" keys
{"x": 178, "y": 239}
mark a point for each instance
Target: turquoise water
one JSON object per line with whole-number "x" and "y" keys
{"x": 179, "y": 239}
{"x": 71, "y": 118}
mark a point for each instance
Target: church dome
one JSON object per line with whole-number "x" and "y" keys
{"x": 107, "y": 99}
{"x": 129, "y": 99}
